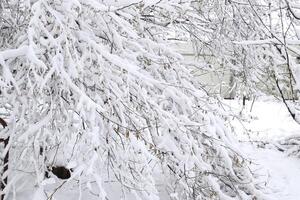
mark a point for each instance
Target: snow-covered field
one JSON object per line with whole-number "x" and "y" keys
{"x": 276, "y": 172}
{"x": 279, "y": 173}
{"x": 270, "y": 120}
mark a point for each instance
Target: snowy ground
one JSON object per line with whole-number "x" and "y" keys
{"x": 270, "y": 122}
{"x": 278, "y": 173}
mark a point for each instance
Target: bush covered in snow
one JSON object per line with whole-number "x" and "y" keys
{"x": 92, "y": 86}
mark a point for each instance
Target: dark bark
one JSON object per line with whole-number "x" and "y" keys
{"x": 5, "y": 161}
{"x": 60, "y": 171}
{"x": 293, "y": 115}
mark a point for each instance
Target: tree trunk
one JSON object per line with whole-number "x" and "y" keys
{"x": 3, "y": 182}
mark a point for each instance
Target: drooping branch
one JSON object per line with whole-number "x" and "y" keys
{"x": 284, "y": 100}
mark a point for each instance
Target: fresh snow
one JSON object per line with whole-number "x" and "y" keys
{"x": 95, "y": 92}
{"x": 269, "y": 120}
{"x": 275, "y": 170}
{"x": 278, "y": 173}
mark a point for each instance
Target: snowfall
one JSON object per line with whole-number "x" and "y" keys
{"x": 275, "y": 170}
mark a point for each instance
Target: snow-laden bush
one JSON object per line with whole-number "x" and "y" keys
{"x": 93, "y": 86}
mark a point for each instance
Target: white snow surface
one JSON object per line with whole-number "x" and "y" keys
{"x": 278, "y": 173}
{"x": 270, "y": 120}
